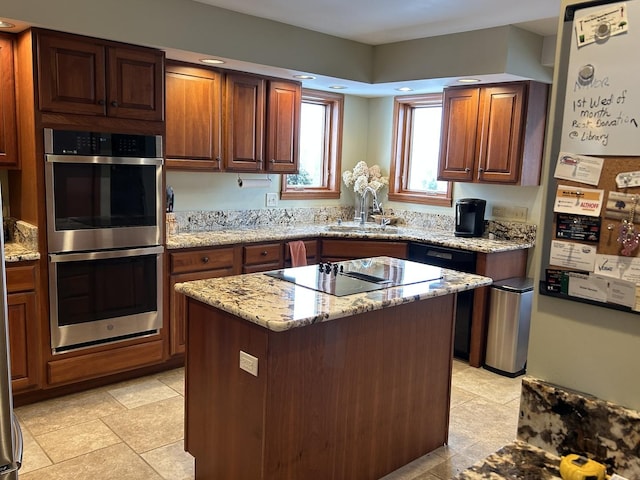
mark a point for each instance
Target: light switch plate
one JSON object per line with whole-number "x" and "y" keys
{"x": 271, "y": 199}
{"x": 248, "y": 363}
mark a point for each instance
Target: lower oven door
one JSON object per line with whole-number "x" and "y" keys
{"x": 104, "y": 296}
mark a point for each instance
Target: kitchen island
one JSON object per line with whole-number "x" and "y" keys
{"x": 284, "y": 381}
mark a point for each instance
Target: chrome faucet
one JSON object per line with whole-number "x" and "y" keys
{"x": 364, "y": 204}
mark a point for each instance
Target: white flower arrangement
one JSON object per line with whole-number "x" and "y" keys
{"x": 363, "y": 176}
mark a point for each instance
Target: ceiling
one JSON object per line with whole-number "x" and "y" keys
{"x": 376, "y": 22}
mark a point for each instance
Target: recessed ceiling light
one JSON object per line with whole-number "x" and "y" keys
{"x": 4, "y": 24}
{"x": 212, "y": 61}
{"x": 405, "y": 89}
{"x": 305, "y": 77}
{"x": 337, "y": 87}
{"x": 468, "y": 80}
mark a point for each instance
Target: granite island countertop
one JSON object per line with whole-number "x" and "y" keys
{"x": 18, "y": 252}
{"x": 227, "y": 236}
{"x": 280, "y": 305}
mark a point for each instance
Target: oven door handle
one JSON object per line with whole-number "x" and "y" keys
{"x": 103, "y": 160}
{"x": 106, "y": 254}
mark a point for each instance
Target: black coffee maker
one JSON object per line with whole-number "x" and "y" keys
{"x": 470, "y": 217}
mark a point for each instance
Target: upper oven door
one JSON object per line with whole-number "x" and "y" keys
{"x": 96, "y": 203}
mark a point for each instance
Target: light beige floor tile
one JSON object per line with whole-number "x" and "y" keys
{"x": 459, "y": 366}
{"x": 460, "y": 396}
{"x": 77, "y": 440}
{"x": 117, "y": 462}
{"x": 33, "y": 457}
{"x": 171, "y": 462}
{"x": 451, "y": 467}
{"x": 417, "y": 467}
{"x": 174, "y": 379}
{"x": 426, "y": 476}
{"x": 488, "y": 385}
{"x": 142, "y": 393}
{"x": 65, "y": 411}
{"x": 481, "y": 420}
{"x": 150, "y": 426}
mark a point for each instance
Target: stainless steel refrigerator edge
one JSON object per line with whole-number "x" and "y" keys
{"x": 10, "y": 434}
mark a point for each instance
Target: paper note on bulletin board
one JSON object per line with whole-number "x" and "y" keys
{"x": 602, "y": 102}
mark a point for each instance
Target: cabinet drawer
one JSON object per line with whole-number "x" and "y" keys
{"x": 311, "y": 247}
{"x": 363, "y": 249}
{"x": 199, "y": 260}
{"x": 94, "y": 365}
{"x": 264, "y": 253}
{"x": 21, "y": 278}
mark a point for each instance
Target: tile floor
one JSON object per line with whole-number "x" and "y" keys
{"x": 134, "y": 430}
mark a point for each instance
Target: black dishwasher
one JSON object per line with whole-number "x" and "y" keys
{"x": 464, "y": 261}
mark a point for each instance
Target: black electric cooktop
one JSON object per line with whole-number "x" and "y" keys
{"x": 357, "y": 276}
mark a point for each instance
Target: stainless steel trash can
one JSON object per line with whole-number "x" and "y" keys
{"x": 509, "y": 323}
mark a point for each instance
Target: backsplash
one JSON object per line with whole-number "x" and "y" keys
{"x": 204, "y": 220}
{"x": 21, "y": 232}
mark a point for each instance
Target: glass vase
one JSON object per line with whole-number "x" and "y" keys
{"x": 357, "y": 205}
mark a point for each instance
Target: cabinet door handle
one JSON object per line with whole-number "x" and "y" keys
{"x": 205, "y": 259}
{"x": 101, "y": 101}
{"x": 467, "y": 170}
{"x": 273, "y": 160}
{"x": 114, "y": 104}
{"x": 481, "y": 169}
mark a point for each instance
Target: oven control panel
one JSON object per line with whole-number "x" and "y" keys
{"x": 69, "y": 142}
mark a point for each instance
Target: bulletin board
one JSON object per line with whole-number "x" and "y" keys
{"x": 602, "y": 98}
{"x": 594, "y": 251}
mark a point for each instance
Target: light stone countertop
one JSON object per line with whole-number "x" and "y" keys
{"x": 17, "y": 252}
{"x": 280, "y": 305}
{"x": 278, "y": 233}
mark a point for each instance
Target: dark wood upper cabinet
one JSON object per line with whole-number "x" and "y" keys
{"x": 8, "y": 126}
{"x": 81, "y": 75}
{"x": 193, "y": 117}
{"x": 244, "y": 110}
{"x": 458, "y": 140}
{"x": 493, "y": 133}
{"x": 283, "y": 136}
{"x": 261, "y": 124}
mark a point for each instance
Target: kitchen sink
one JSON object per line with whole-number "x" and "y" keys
{"x": 357, "y": 227}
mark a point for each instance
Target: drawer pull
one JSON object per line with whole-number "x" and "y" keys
{"x": 264, "y": 253}
{"x": 205, "y": 259}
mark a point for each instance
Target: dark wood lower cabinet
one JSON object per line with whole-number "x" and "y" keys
{"x": 356, "y": 397}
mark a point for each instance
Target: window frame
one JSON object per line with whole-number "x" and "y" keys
{"x": 403, "y": 109}
{"x": 332, "y": 160}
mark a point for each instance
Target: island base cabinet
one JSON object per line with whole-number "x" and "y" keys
{"x": 356, "y": 397}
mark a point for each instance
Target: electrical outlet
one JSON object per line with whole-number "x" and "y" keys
{"x": 509, "y": 212}
{"x": 498, "y": 211}
{"x": 519, "y": 213}
{"x": 248, "y": 363}
{"x": 271, "y": 199}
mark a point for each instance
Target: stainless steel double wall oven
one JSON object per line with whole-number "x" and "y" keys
{"x": 104, "y": 231}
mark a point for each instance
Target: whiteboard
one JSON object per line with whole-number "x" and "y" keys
{"x": 602, "y": 100}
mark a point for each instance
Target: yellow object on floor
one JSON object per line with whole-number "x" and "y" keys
{"x": 577, "y": 467}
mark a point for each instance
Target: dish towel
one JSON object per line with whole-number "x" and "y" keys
{"x": 298, "y": 253}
